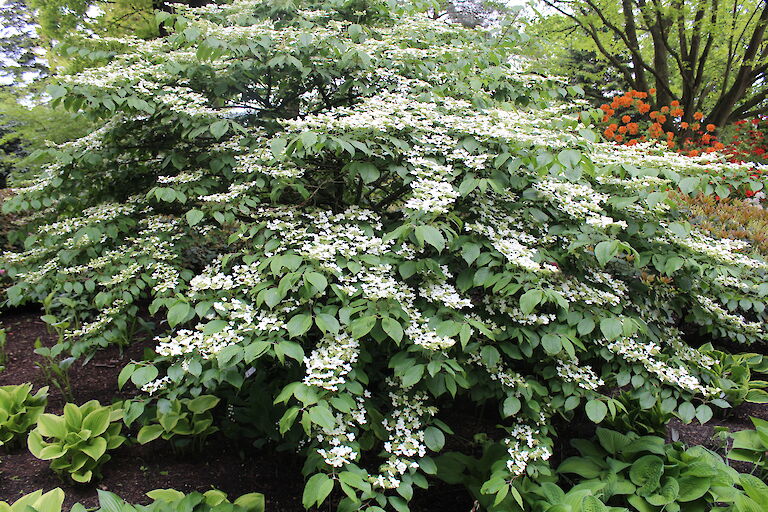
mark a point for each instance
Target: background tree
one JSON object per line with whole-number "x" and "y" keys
{"x": 711, "y": 55}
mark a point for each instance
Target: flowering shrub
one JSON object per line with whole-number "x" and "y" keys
{"x": 630, "y": 119}
{"x": 749, "y": 140}
{"x": 357, "y": 217}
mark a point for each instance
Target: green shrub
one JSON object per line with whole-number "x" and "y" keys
{"x": 78, "y": 441}
{"x": 185, "y": 422}
{"x": 363, "y": 219}
{"x": 19, "y": 411}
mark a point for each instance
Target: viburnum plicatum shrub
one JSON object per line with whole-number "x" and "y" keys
{"x": 360, "y": 221}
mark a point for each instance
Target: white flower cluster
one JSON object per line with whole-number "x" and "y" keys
{"x": 509, "y": 307}
{"x": 255, "y": 163}
{"x": 727, "y": 281}
{"x": 101, "y": 213}
{"x": 337, "y": 441}
{"x": 632, "y": 349}
{"x": 720, "y": 249}
{"x": 106, "y": 317}
{"x": 656, "y": 155}
{"x": 212, "y": 278}
{"x": 184, "y": 177}
{"x": 583, "y": 376}
{"x": 524, "y": 445}
{"x": 508, "y": 243}
{"x": 578, "y": 200}
{"x": 577, "y": 291}
{"x": 331, "y": 361}
{"x": 405, "y": 425}
{"x": 322, "y": 235}
{"x": 512, "y": 381}
{"x": 183, "y": 100}
{"x": 156, "y": 385}
{"x": 235, "y": 190}
{"x": 431, "y": 189}
{"x": 735, "y": 322}
{"x": 440, "y": 290}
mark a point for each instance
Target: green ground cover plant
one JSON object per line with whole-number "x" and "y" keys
{"x": 164, "y": 500}
{"x": 78, "y": 441}
{"x": 619, "y": 472}
{"x": 19, "y": 411}
{"x": 353, "y": 221}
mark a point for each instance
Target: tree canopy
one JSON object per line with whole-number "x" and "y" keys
{"x": 710, "y": 55}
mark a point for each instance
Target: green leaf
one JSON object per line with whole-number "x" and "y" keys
{"x": 299, "y": 324}
{"x": 511, "y": 406}
{"x": 322, "y": 416}
{"x": 194, "y": 217}
{"x": 646, "y": 473}
{"x": 434, "y": 438}
{"x": 611, "y": 328}
{"x": 56, "y": 91}
{"x": 362, "y": 326}
{"x": 552, "y": 344}
{"x": 585, "y": 326}
{"x": 202, "y": 403}
{"x": 95, "y": 448}
{"x": 591, "y": 504}
{"x": 430, "y": 235}
{"x": 470, "y": 252}
{"x": 605, "y": 251}
{"x": 692, "y": 488}
{"x": 97, "y": 421}
{"x": 529, "y": 300}
{"x": 219, "y": 128}
{"x": 569, "y": 157}
{"x": 149, "y": 433}
{"x": 686, "y": 412}
{"x": 689, "y": 184}
{"x": 581, "y": 466}
{"x": 178, "y": 313}
{"x": 393, "y": 328}
{"x": 317, "y": 280}
{"x": 108, "y": 502}
{"x": 412, "y": 375}
{"x": 596, "y": 410}
{"x": 50, "y": 425}
{"x": 703, "y": 413}
{"x": 318, "y": 487}
{"x": 143, "y": 375}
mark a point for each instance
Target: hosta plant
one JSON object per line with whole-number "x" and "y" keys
{"x": 752, "y": 446}
{"x": 365, "y": 219}
{"x": 164, "y": 500}
{"x": 171, "y": 500}
{"x": 185, "y": 422}
{"x": 19, "y": 411}
{"x": 78, "y": 441}
{"x": 642, "y": 473}
{"x": 37, "y": 501}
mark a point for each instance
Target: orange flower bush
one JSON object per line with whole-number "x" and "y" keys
{"x": 633, "y": 117}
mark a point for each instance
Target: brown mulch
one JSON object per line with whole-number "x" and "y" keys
{"x": 232, "y": 467}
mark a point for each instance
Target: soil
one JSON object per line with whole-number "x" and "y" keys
{"x": 136, "y": 469}
{"x": 224, "y": 464}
